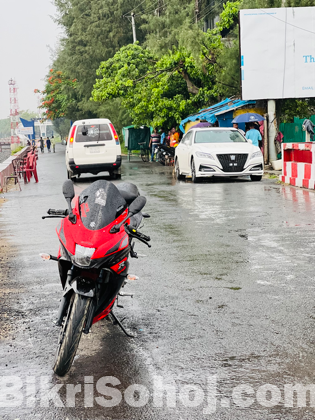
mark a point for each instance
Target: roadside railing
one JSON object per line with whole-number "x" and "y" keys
{"x": 7, "y": 169}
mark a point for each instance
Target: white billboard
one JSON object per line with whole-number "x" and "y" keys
{"x": 277, "y": 53}
{"x": 25, "y": 130}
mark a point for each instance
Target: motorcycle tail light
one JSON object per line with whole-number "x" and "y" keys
{"x": 83, "y": 255}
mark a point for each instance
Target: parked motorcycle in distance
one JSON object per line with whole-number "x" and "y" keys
{"x": 96, "y": 239}
{"x": 164, "y": 154}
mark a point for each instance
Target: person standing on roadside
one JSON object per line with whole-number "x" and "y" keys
{"x": 41, "y": 144}
{"x": 53, "y": 144}
{"x": 174, "y": 139}
{"x": 235, "y": 125}
{"x": 163, "y": 135}
{"x": 154, "y": 141}
{"x": 168, "y": 139}
{"x": 253, "y": 135}
{"x": 48, "y": 144}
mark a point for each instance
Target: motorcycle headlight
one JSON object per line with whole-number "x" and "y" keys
{"x": 256, "y": 154}
{"x": 204, "y": 155}
{"x": 83, "y": 255}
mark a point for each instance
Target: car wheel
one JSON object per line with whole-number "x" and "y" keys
{"x": 194, "y": 178}
{"x": 114, "y": 175}
{"x": 70, "y": 175}
{"x": 177, "y": 171}
{"x": 256, "y": 177}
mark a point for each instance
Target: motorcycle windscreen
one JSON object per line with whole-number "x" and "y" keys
{"x": 99, "y": 204}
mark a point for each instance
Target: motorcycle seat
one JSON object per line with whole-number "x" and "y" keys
{"x": 128, "y": 191}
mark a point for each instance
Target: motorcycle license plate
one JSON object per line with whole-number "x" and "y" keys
{"x": 95, "y": 150}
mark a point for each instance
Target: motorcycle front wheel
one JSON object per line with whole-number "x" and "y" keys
{"x": 71, "y": 332}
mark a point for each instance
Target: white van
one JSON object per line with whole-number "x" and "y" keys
{"x": 93, "y": 146}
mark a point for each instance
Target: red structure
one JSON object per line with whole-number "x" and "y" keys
{"x": 298, "y": 164}
{"x": 14, "y": 112}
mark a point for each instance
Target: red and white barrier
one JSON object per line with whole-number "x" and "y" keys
{"x": 298, "y": 164}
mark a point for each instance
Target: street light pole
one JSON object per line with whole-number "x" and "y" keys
{"x": 133, "y": 27}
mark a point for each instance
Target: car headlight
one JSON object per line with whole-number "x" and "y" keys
{"x": 83, "y": 255}
{"x": 204, "y": 155}
{"x": 256, "y": 154}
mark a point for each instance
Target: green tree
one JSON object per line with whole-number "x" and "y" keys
{"x": 57, "y": 97}
{"x": 154, "y": 91}
{"x": 28, "y": 115}
{"x": 94, "y": 31}
{"x": 62, "y": 127}
{"x": 5, "y": 128}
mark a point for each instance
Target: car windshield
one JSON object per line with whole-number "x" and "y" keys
{"x": 219, "y": 136}
{"x": 93, "y": 132}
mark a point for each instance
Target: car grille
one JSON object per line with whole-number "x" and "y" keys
{"x": 233, "y": 162}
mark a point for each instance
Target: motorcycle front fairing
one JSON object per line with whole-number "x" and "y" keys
{"x": 88, "y": 246}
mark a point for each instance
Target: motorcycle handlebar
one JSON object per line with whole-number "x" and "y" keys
{"x": 57, "y": 212}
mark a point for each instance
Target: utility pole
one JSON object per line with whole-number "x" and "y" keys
{"x": 133, "y": 27}
{"x": 273, "y": 129}
{"x": 196, "y": 9}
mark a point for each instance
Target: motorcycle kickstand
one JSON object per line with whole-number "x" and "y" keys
{"x": 121, "y": 326}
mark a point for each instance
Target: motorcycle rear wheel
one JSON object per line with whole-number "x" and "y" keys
{"x": 71, "y": 332}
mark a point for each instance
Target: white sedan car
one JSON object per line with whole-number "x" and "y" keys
{"x": 206, "y": 152}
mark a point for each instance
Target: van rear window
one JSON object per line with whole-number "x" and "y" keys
{"x": 93, "y": 132}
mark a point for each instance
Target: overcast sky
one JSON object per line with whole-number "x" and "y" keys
{"x": 26, "y": 31}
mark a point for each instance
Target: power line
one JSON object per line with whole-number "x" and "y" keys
{"x": 147, "y": 8}
{"x": 209, "y": 11}
{"x": 207, "y": 7}
{"x": 152, "y": 10}
{"x": 290, "y": 24}
{"x": 132, "y": 10}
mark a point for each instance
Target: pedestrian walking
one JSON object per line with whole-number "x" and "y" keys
{"x": 48, "y": 144}
{"x": 154, "y": 141}
{"x": 53, "y": 144}
{"x": 253, "y": 135}
{"x": 41, "y": 144}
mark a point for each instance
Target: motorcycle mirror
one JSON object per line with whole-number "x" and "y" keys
{"x": 68, "y": 189}
{"x": 137, "y": 205}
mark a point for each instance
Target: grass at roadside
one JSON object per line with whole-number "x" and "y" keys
{"x": 18, "y": 149}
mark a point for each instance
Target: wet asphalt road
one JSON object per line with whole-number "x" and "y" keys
{"x": 225, "y": 294}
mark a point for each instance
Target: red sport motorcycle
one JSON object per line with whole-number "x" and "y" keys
{"x": 96, "y": 238}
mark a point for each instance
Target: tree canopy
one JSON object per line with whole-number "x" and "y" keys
{"x": 175, "y": 68}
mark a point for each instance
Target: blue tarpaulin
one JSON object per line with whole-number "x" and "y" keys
{"x": 211, "y": 114}
{"x": 27, "y": 123}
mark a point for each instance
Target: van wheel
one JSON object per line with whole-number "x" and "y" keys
{"x": 70, "y": 175}
{"x": 114, "y": 175}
